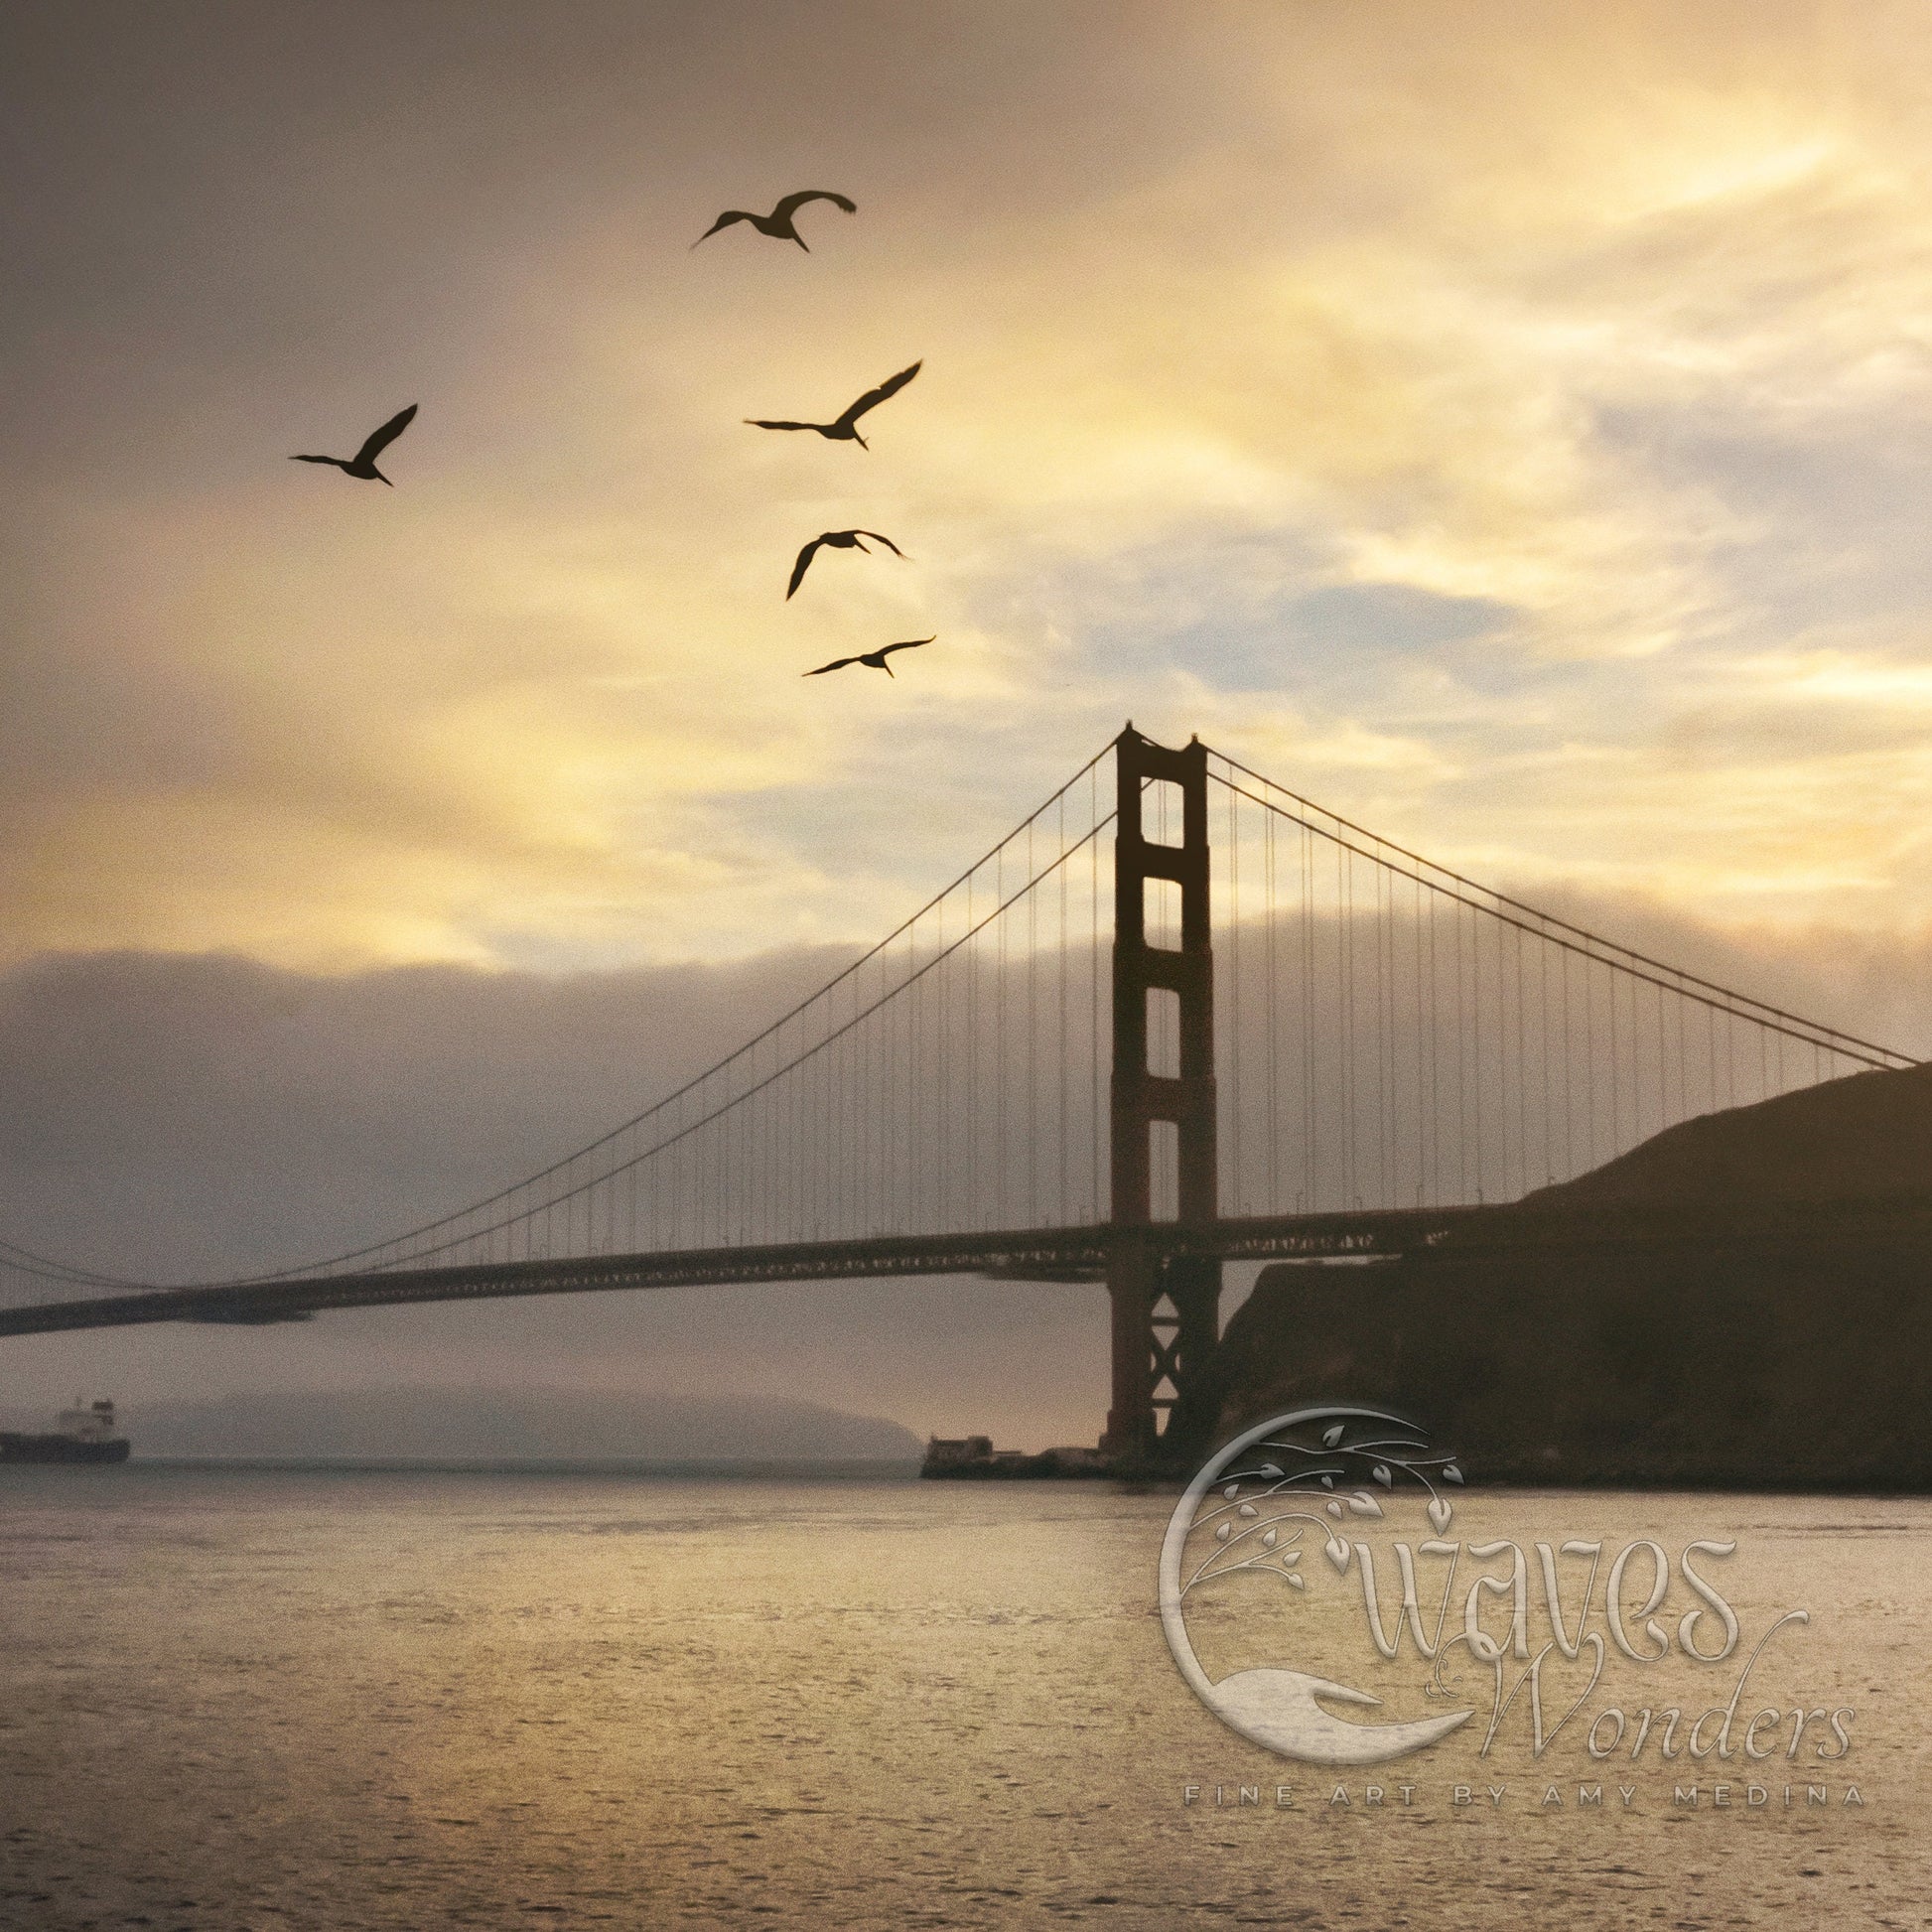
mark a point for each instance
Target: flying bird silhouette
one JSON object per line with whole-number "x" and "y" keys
{"x": 874, "y": 658}
{"x": 835, "y": 540}
{"x": 845, "y": 429}
{"x": 362, "y": 463}
{"x": 778, "y": 224}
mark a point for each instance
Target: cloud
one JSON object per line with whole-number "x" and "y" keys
{"x": 179, "y": 1116}
{"x": 1509, "y": 425}
{"x": 172, "y": 1117}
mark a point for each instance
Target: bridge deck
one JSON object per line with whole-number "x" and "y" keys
{"x": 1067, "y": 1254}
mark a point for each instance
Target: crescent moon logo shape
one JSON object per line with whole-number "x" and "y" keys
{"x": 1274, "y": 1708}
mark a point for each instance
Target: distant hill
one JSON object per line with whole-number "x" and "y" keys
{"x": 1728, "y": 1352}
{"x": 513, "y": 1424}
{"x": 1865, "y": 1137}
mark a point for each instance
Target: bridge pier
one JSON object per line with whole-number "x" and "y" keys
{"x": 1166, "y": 1328}
{"x": 1166, "y": 1316}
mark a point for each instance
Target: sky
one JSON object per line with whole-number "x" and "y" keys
{"x": 1506, "y": 424}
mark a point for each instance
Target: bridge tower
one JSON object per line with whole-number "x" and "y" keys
{"x": 1166, "y": 1313}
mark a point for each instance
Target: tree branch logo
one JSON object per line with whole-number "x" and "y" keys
{"x": 1250, "y": 1508}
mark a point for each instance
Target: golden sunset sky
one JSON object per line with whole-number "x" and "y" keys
{"x": 1507, "y": 422}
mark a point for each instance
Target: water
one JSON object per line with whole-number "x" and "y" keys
{"x": 312, "y": 1699}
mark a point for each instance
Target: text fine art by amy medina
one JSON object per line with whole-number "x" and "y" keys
{"x": 965, "y": 965}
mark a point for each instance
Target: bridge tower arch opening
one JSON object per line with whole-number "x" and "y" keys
{"x": 1164, "y": 1310}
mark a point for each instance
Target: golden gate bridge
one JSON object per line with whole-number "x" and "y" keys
{"x": 1052, "y": 1072}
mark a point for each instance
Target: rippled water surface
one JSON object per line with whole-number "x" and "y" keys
{"x": 286, "y": 1699}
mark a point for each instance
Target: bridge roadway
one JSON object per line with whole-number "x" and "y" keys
{"x": 1068, "y": 1254}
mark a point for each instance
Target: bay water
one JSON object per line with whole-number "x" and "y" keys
{"x": 325, "y": 1698}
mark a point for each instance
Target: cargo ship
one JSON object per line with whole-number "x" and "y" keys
{"x": 86, "y": 1434}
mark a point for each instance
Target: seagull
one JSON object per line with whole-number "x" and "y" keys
{"x": 838, "y": 540}
{"x": 845, "y": 429}
{"x": 874, "y": 658}
{"x": 362, "y": 463}
{"x": 778, "y": 224}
